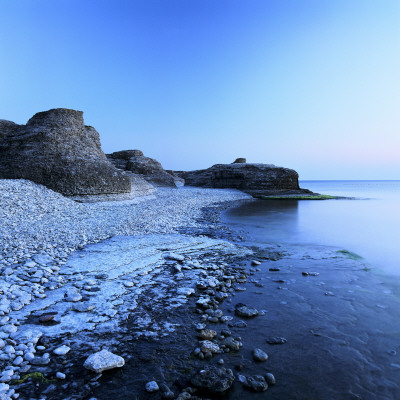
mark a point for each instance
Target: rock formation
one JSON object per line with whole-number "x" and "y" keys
{"x": 149, "y": 168}
{"x": 57, "y": 150}
{"x": 256, "y": 179}
{"x": 240, "y": 161}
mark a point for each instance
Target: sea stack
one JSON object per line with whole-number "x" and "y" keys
{"x": 55, "y": 148}
{"x": 257, "y": 180}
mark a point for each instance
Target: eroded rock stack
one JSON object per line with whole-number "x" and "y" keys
{"x": 255, "y": 179}
{"x": 55, "y": 148}
{"x": 149, "y": 168}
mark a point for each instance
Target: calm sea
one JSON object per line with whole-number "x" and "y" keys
{"x": 369, "y": 225}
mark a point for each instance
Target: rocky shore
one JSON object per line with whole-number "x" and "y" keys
{"x": 49, "y": 289}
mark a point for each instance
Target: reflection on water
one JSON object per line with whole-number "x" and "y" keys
{"x": 369, "y": 226}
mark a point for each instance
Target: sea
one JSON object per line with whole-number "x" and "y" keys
{"x": 365, "y": 221}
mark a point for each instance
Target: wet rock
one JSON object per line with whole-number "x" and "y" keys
{"x": 244, "y": 311}
{"x": 46, "y": 318}
{"x": 207, "y": 334}
{"x": 270, "y": 378}
{"x": 103, "y": 360}
{"x": 185, "y": 291}
{"x": 207, "y": 346}
{"x": 260, "y": 355}
{"x": 60, "y": 375}
{"x": 231, "y": 343}
{"x": 237, "y": 324}
{"x": 72, "y": 295}
{"x": 83, "y": 307}
{"x": 152, "y": 387}
{"x": 276, "y": 340}
{"x": 214, "y": 379}
{"x": 256, "y": 383}
{"x": 255, "y": 263}
{"x": 40, "y": 361}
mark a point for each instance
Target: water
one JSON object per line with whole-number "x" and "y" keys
{"x": 368, "y": 226}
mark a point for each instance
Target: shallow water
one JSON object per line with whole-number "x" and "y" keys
{"x": 369, "y": 226}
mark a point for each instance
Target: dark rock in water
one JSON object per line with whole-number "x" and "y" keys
{"x": 255, "y": 179}
{"x": 214, "y": 379}
{"x": 149, "y": 168}
{"x": 244, "y": 311}
{"x": 55, "y": 148}
{"x": 240, "y": 161}
{"x": 276, "y": 340}
{"x": 256, "y": 383}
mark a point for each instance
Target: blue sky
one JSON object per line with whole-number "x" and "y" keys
{"x": 307, "y": 84}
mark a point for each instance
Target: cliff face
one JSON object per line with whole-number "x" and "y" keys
{"x": 55, "y": 148}
{"x": 256, "y": 179}
{"x": 149, "y": 168}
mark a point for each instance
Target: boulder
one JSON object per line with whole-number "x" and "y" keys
{"x": 55, "y": 148}
{"x": 148, "y": 168}
{"x": 255, "y": 179}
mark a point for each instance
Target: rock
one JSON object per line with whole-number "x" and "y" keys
{"x": 231, "y": 343}
{"x": 83, "y": 307}
{"x": 73, "y": 296}
{"x": 174, "y": 257}
{"x": 255, "y": 179}
{"x": 237, "y": 324}
{"x": 185, "y": 291}
{"x": 255, "y": 263}
{"x": 243, "y": 311}
{"x": 40, "y": 361}
{"x": 57, "y": 150}
{"x": 276, "y": 340}
{"x": 60, "y": 375}
{"x": 46, "y": 318}
{"x": 152, "y": 387}
{"x": 62, "y": 350}
{"x": 148, "y": 168}
{"x": 207, "y": 334}
{"x": 214, "y": 379}
{"x": 270, "y": 379}
{"x": 209, "y": 347}
{"x": 256, "y": 383}
{"x": 103, "y": 360}
{"x": 260, "y": 355}
{"x": 240, "y": 161}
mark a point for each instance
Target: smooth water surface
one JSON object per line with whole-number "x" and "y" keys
{"x": 368, "y": 225}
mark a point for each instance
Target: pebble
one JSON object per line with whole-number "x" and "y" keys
{"x": 244, "y": 311}
{"x": 270, "y": 378}
{"x": 260, "y": 355}
{"x": 152, "y": 387}
{"x": 62, "y": 350}
{"x": 276, "y": 340}
{"x": 60, "y": 375}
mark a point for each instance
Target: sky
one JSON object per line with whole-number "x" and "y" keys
{"x": 305, "y": 84}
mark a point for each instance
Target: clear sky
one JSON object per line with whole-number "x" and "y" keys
{"x": 312, "y": 85}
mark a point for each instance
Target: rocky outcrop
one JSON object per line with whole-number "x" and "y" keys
{"x": 57, "y": 150}
{"x": 149, "y": 168}
{"x": 256, "y": 179}
{"x": 240, "y": 161}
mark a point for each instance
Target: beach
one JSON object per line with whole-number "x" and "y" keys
{"x": 171, "y": 287}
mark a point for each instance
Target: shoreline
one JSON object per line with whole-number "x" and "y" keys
{"x": 160, "y": 330}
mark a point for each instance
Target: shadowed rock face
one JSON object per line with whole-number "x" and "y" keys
{"x": 255, "y": 179}
{"x": 57, "y": 150}
{"x": 149, "y": 168}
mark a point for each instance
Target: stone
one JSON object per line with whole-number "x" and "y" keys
{"x": 255, "y": 263}
{"x": 207, "y": 334}
{"x": 260, "y": 355}
{"x": 207, "y": 346}
{"x": 174, "y": 256}
{"x": 257, "y": 180}
{"x": 231, "y": 343}
{"x": 56, "y": 149}
{"x": 60, "y": 375}
{"x": 46, "y": 318}
{"x": 152, "y": 387}
{"x": 148, "y": 168}
{"x": 270, "y": 378}
{"x": 73, "y": 296}
{"x": 103, "y": 360}
{"x": 62, "y": 350}
{"x": 214, "y": 379}
{"x": 244, "y": 311}
{"x": 240, "y": 161}
{"x": 183, "y": 291}
{"x": 276, "y": 340}
{"x": 256, "y": 383}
